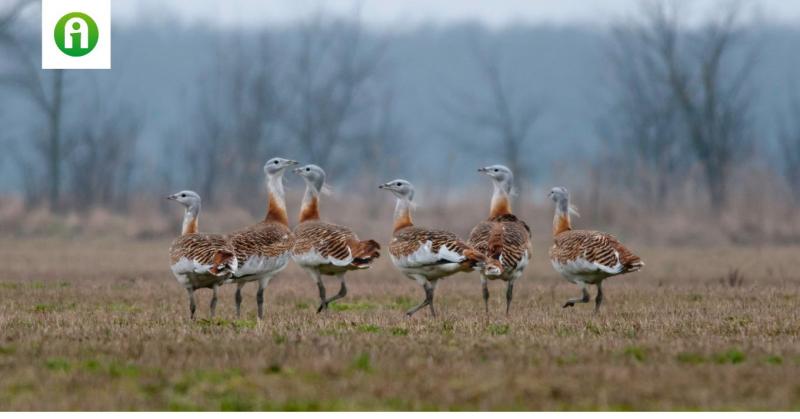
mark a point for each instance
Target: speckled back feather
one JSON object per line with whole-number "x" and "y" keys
{"x": 595, "y": 247}
{"x": 265, "y": 239}
{"x": 504, "y": 237}
{"x": 204, "y": 249}
{"x": 334, "y": 241}
{"x": 409, "y": 239}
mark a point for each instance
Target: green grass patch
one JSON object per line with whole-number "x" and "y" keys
{"x": 498, "y": 329}
{"x": 636, "y": 353}
{"x": 354, "y": 306}
{"x": 733, "y": 356}
{"x": 691, "y": 358}
{"x": 302, "y": 306}
{"x": 774, "y": 360}
{"x": 401, "y": 303}
{"x": 362, "y": 362}
{"x": 368, "y": 328}
{"x": 9, "y": 285}
{"x": 399, "y": 331}
{"x": 57, "y": 364}
{"x": 568, "y": 359}
{"x": 239, "y": 325}
{"x": 592, "y": 328}
{"x": 7, "y": 350}
{"x": 279, "y": 339}
{"x": 52, "y": 308}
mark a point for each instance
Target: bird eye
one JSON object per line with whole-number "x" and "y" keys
{"x": 399, "y": 184}
{"x": 308, "y": 169}
{"x": 183, "y": 195}
{"x": 496, "y": 170}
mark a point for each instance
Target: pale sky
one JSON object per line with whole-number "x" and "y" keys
{"x": 398, "y": 14}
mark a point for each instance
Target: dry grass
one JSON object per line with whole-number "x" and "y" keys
{"x": 103, "y": 325}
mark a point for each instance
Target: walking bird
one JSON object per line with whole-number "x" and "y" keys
{"x": 502, "y": 237}
{"x": 199, "y": 260}
{"x": 586, "y": 257}
{"x": 427, "y": 255}
{"x": 264, "y": 249}
{"x": 322, "y": 248}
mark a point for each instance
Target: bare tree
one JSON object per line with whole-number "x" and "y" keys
{"x": 505, "y": 115}
{"x": 103, "y": 157}
{"x": 708, "y": 89}
{"x": 789, "y": 142}
{"x": 44, "y": 89}
{"x": 332, "y": 80}
{"x": 643, "y": 127}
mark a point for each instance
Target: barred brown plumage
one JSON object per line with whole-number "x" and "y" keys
{"x": 264, "y": 249}
{"x": 199, "y": 260}
{"x": 586, "y": 257}
{"x": 503, "y": 237}
{"x": 427, "y": 255}
{"x": 323, "y": 248}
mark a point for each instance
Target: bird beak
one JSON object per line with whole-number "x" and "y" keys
{"x": 483, "y": 170}
{"x": 171, "y": 197}
{"x": 297, "y": 170}
{"x": 292, "y": 163}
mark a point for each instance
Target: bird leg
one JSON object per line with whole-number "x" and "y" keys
{"x": 485, "y": 286}
{"x": 192, "y": 304}
{"x": 599, "y": 299}
{"x": 509, "y": 295}
{"x": 428, "y": 299}
{"x": 430, "y": 305}
{"x": 584, "y": 298}
{"x": 342, "y": 291}
{"x": 215, "y": 289}
{"x": 239, "y": 299}
{"x": 322, "y": 303}
{"x": 262, "y": 283}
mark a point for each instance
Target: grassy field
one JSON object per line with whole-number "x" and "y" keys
{"x": 104, "y": 325}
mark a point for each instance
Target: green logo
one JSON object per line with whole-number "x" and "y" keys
{"x": 76, "y": 34}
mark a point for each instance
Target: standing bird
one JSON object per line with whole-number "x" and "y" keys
{"x": 326, "y": 249}
{"x": 586, "y": 257}
{"x": 199, "y": 260}
{"x": 426, "y": 255}
{"x": 264, "y": 249}
{"x": 503, "y": 237}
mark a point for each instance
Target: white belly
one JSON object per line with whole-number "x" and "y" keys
{"x": 256, "y": 267}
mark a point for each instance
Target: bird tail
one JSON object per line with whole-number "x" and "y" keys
{"x": 634, "y": 265}
{"x": 364, "y": 252}
{"x": 477, "y": 260}
{"x": 224, "y": 263}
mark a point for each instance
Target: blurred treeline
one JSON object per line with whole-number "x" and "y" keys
{"x": 662, "y": 130}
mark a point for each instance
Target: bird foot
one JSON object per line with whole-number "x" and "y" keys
{"x": 568, "y": 304}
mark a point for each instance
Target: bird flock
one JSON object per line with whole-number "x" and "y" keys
{"x": 498, "y": 247}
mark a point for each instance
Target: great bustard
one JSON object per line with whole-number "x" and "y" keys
{"x": 586, "y": 257}
{"x": 427, "y": 255}
{"x": 264, "y": 249}
{"x": 199, "y": 260}
{"x": 502, "y": 237}
{"x": 322, "y": 248}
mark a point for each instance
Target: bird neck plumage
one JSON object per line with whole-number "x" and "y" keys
{"x": 561, "y": 220}
{"x": 501, "y": 200}
{"x": 190, "y": 219}
{"x": 402, "y": 214}
{"x": 276, "y": 205}
{"x": 309, "y": 210}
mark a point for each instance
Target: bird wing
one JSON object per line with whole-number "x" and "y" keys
{"x": 202, "y": 253}
{"x": 319, "y": 243}
{"x": 504, "y": 238}
{"x": 593, "y": 251}
{"x": 416, "y": 246}
{"x": 262, "y": 247}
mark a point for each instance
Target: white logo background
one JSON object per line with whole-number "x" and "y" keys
{"x": 100, "y": 11}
